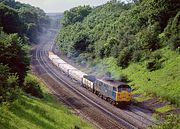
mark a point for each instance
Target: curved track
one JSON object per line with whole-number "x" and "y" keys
{"x": 116, "y": 118}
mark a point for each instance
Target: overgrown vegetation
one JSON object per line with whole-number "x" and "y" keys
{"x": 23, "y": 104}
{"x": 163, "y": 82}
{"x": 35, "y": 113}
{"x": 8, "y": 84}
{"x": 171, "y": 122}
{"x": 20, "y": 24}
{"x": 24, "y": 19}
{"x": 32, "y": 86}
{"x": 128, "y": 32}
{"x": 139, "y": 40}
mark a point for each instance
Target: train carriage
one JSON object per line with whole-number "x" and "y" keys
{"x": 88, "y": 81}
{"x": 76, "y": 74}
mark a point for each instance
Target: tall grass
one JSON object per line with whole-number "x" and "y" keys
{"x": 28, "y": 112}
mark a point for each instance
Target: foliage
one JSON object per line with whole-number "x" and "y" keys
{"x": 76, "y": 14}
{"x": 32, "y": 86}
{"x": 154, "y": 61}
{"x": 18, "y": 23}
{"x": 124, "y": 57}
{"x": 10, "y": 20}
{"x": 35, "y": 21}
{"x": 14, "y": 52}
{"x": 162, "y": 82}
{"x": 171, "y": 122}
{"x": 8, "y": 84}
{"x": 29, "y": 112}
{"x": 172, "y": 33}
{"x": 23, "y": 19}
{"x": 127, "y": 32}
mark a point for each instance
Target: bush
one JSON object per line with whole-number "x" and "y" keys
{"x": 171, "y": 33}
{"x": 124, "y": 57}
{"x": 171, "y": 122}
{"x": 152, "y": 65}
{"x": 175, "y": 42}
{"x": 32, "y": 86}
{"x": 136, "y": 56}
{"x": 123, "y": 78}
{"x": 154, "y": 62}
{"x": 147, "y": 39}
{"x": 8, "y": 84}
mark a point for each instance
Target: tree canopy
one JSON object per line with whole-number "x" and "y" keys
{"x": 127, "y": 32}
{"x": 19, "y": 24}
{"x": 23, "y": 19}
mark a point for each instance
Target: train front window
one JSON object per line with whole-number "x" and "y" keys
{"x": 124, "y": 88}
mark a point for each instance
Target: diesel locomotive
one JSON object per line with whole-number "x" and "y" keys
{"x": 113, "y": 91}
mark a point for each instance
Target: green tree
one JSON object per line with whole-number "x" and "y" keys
{"x": 32, "y": 86}
{"x": 8, "y": 84}
{"x": 9, "y": 20}
{"x": 15, "y": 53}
{"x": 76, "y": 14}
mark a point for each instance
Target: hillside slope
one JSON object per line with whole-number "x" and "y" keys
{"x": 28, "y": 112}
{"x": 138, "y": 40}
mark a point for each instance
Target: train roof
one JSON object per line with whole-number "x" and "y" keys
{"x": 90, "y": 78}
{"x": 113, "y": 83}
{"x": 60, "y": 61}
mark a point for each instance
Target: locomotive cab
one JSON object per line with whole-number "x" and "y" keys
{"x": 123, "y": 94}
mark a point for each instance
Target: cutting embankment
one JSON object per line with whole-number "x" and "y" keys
{"x": 136, "y": 42}
{"x": 36, "y": 113}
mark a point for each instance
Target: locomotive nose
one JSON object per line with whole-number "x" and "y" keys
{"x": 124, "y": 96}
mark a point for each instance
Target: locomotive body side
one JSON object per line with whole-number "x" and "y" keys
{"x": 104, "y": 90}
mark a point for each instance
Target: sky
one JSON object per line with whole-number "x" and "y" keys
{"x": 54, "y": 6}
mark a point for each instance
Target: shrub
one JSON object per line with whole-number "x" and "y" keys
{"x": 171, "y": 122}
{"x": 154, "y": 62}
{"x": 171, "y": 33}
{"x": 32, "y": 86}
{"x": 76, "y": 127}
{"x": 124, "y": 57}
{"x": 8, "y": 84}
{"x": 175, "y": 42}
{"x": 123, "y": 78}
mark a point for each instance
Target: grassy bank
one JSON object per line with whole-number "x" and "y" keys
{"x": 28, "y": 112}
{"x": 163, "y": 82}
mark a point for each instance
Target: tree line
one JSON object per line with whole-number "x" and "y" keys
{"x": 20, "y": 24}
{"x": 128, "y": 32}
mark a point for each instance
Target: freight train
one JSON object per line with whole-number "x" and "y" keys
{"x": 115, "y": 92}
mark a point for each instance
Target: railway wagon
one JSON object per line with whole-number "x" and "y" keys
{"x": 58, "y": 62}
{"x": 52, "y": 56}
{"x": 88, "y": 81}
{"x": 55, "y": 59}
{"x": 113, "y": 91}
{"x": 76, "y": 74}
{"x": 66, "y": 68}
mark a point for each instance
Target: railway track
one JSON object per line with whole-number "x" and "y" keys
{"x": 131, "y": 118}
